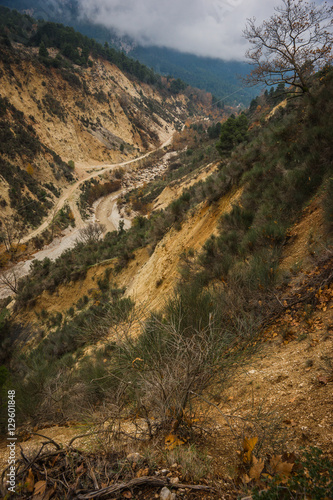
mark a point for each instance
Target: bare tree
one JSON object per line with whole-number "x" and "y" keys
{"x": 11, "y": 233}
{"x": 91, "y": 233}
{"x": 289, "y": 47}
{"x": 9, "y": 280}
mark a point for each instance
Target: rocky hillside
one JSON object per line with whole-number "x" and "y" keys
{"x": 60, "y": 113}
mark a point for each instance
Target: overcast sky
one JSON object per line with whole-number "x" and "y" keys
{"x": 203, "y": 27}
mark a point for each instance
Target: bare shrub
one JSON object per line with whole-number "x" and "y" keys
{"x": 172, "y": 362}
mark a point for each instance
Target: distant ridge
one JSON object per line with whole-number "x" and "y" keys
{"x": 217, "y": 76}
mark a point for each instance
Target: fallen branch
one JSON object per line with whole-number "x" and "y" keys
{"x": 79, "y": 474}
{"x": 49, "y": 440}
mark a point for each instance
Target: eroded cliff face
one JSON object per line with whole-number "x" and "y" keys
{"x": 56, "y": 120}
{"x": 86, "y": 114}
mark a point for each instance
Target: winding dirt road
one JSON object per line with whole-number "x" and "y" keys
{"x": 105, "y": 211}
{"x": 70, "y": 194}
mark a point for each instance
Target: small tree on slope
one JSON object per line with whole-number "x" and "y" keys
{"x": 294, "y": 43}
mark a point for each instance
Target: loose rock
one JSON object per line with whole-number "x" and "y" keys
{"x": 134, "y": 457}
{"x": 165, "y": 494}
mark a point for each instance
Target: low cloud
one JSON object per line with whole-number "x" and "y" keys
{"x": 204, "y": 27}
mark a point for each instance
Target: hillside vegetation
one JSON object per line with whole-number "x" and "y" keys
{"x": 168, "y": 327}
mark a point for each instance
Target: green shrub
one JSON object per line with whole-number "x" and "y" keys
{"x": 104, "y": 283}
{"x": 54, "y": 320}
{"x": 83, "y": 301}
{"x": 239, "y": 218}
{"x": 71, "y": 311}
{"x": 48, "y": 368}
{"x": 233, "y": 132}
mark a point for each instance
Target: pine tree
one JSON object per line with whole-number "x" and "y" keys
{"x": 43, "y": 50}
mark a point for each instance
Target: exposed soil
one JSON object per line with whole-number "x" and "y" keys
{"x": 306, "y": 239}
{"x": 282, "y": 395}
{"x": 154, "y": 281}
{"x": 70, "y": 139}
{"x": 290, "y": 384}
{"x": 175, "y": 189}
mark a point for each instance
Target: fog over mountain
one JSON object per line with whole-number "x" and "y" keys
{"x": 210, "y": 28}
{"x": 170, "y": 40}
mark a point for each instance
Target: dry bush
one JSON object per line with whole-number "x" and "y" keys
{"x": 176, "y": 358}
{"x": 183, "y": 139}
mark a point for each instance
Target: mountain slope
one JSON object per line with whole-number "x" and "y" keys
{"x": 59, "y": 118}
{"x": 217, "y": 76}
{"x": 222, "y": 78}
